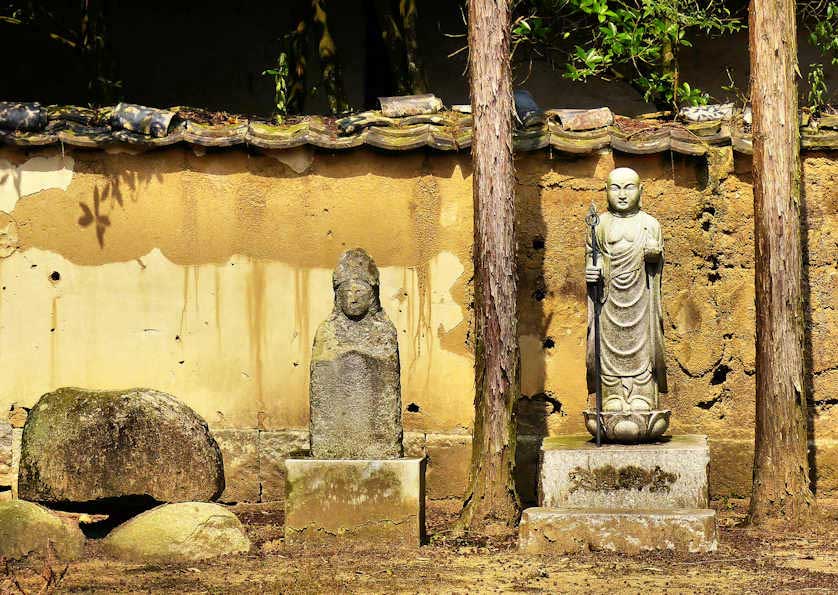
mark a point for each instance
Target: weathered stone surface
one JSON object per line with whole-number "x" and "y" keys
{"x": 240, "y": 452}
{"x": 414, "y": 444}
{"x": 583, "y": 119}
{"x": 27, "y": 528}
{"x": 728, "y": 475}
{"x": 17, "y": 416}
{"x": 83, "y": 446}
{"x": 449, "y": 457}
{"x": 826, "y": 465}
{"x": 5, "y": 455}
{"x": 274, "y": 448}
{"x": 355, "y": 393}
{"x": 17, "y": 438}
{"x": 409, "y": 105}
{"x": 375, "y": 501}
{"x": 670, "y": 474}
{"x": 180, "y": 532}
{"x": 568, "y": 530}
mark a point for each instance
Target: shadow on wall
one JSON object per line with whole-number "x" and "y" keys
{"x": 808, "y": 366}
{"x": 532, "y": 409}
{"x": 537, "y": 259}
{"x": 204, "y": 206}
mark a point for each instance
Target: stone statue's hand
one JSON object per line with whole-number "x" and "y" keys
{"x": 652, "y": 251}
{"x": 593, "y": 273}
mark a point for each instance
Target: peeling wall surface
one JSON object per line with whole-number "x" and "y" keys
{"x": 205, "y": 276}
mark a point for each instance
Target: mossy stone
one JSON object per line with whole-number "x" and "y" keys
{"x": 27, "y": 528}
{"x": 100, "y": 447}
{"x": 181, "y": 532}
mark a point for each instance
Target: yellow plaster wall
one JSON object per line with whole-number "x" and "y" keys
{"x": 205, "y": 276}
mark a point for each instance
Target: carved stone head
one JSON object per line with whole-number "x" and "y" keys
{"x": 624, "y": 191}
{"x": 355, "y": 282}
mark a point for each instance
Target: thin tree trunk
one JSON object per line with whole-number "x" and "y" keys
{"x": 781, "y": 467}
{"x": 394, "y": 42}
{"x": 491, "y": 499}
{"x": 415, "y": 68}
{"x": 329, "y": 65}
{"x": 669, "y": 66}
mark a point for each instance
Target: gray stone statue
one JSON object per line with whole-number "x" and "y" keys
{"x": 629, "y": 243}
{"x": 355, "y": 395}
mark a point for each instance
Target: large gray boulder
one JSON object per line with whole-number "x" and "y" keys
{"x": 26, "y": 528}
{"x": 181, "y": 532}
{"x": 107, "y": 447}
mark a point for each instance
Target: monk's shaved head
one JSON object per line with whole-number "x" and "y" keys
{"x": 623, "y": 175}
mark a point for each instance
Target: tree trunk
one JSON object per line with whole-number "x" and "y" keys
{"x": 491, "y": 499}
{"x": 781, "y": 467}
{"x": 330, "y": 68}
{"x": 415, "y": 68}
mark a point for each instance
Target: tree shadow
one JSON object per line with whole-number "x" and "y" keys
{"x": 112, "y": 195}
{"x": 542, "y": 244}
{"x": 808, "y": 368}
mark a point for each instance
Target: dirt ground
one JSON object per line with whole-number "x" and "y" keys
{"x": 769, "y": 560}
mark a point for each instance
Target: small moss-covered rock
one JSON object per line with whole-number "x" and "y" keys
{"x": 26, "y": 528}
{"x": 82, "y": 446}
{"x": 181, "y": 532}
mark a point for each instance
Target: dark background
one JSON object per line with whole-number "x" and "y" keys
{"x": 211, "y": 54}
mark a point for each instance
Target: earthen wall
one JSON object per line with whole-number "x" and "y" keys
{"x": 204, "y": 274}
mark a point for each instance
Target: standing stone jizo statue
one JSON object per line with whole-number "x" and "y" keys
{"x": 355, "y": 395}
{"x": 632, "y": 370}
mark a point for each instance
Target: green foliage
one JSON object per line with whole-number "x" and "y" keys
{"x": 818, "y": 90}
{"x": 280, "y": 75}
{"x": 823, "y": 31}
{"x": 632, "y": 40}
{"x": 821, "y": 20}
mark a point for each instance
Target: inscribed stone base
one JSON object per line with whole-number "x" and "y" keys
{"x": 377, "y": 501}
{"x": 568, "y": 530}
{"x": 670, "y": 473}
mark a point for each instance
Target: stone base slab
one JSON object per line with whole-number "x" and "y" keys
{"x": 671, "y": 473}
{"x": 569, "y": 530}
{"x": 377, "y": 501}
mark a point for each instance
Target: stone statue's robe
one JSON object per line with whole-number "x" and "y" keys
{"x": 631, "y": 319}
{"x": 355, "y": 393}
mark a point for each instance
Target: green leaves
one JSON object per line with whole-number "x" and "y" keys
{"x": 634, "y": 40}
{"x": 280, "y": 75}
{"x": 823, "y": 33}
{"x": 818, "y": 90}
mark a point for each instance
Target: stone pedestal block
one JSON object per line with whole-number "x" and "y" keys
{"x": 240, "y": 453}
{"x": 380, "y": 501}
{"x": 6, "y": 433}
{"x": 671, "y": 473}
{"x": 568, "y": 530}
{"x": 17, "y": 439}
{"x": 274, "y": 447}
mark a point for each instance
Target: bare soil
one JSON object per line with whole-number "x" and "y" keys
{"x": 772, "y": 559}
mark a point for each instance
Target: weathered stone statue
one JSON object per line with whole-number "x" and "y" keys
{"x": 355, "y": 395}
{"x": 630, "y": 260}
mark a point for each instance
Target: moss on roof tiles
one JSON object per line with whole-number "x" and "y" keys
{"x": 446, "y": 130}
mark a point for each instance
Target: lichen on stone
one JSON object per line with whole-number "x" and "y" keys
{"x": 631, "y": 477}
